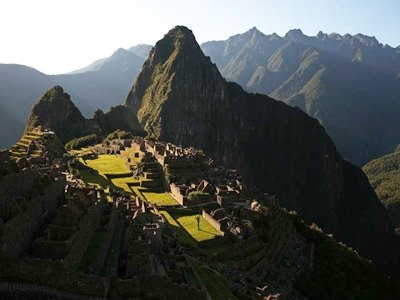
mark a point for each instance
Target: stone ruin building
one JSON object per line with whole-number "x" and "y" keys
{"x": 49, "y": 220}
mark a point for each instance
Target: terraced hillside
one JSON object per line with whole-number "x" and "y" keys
{"x": 37, "y": 144}
{"x": 111, "y": 170}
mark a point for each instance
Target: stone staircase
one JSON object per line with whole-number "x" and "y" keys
{"x": 26, "y": 146}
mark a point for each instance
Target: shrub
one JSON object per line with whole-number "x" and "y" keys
{"x": 83, "y": 141}
{"x": 198, "y": 195}
{"x": 119, "y": 134}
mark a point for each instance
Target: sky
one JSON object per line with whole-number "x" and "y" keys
{"x": 59, "y": 36}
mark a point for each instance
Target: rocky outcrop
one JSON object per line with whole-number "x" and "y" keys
{"x": 181, "y": 97}
{"x": 56, "y": 111}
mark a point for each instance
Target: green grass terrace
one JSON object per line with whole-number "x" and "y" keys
{"x": 206, "y": 238}
{"x": 111, "y": 170}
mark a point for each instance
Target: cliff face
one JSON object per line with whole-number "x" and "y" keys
{"x": 181, "y": 97}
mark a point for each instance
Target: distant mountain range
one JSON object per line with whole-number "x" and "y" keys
{"x": 350, "y": 83}
{"x": 102, "y": 84}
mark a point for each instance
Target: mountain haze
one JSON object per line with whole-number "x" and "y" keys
{"x": 181, "y": 97}
{"x": 102, "y": 84}
{"x": 349, "y": 83}
{"x": 20, "y": 86}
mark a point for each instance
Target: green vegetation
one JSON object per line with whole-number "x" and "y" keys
{"x": 124, "y": 183}
{"x": 119, "y": 134}
{"x": 83, "y": 141}
{"x": 189, "y": 223}
{"x": 115, "y": 166}
{"x": 186, "y": 228}
{"x": 384, "y": 175}
{"x": 160, "y": 199}
{"x": 216, "y": 284}
{"x": 91, "y": 177}
{"x": 338, "y": 272}
{"x": 107, "y": 164}
{"x": 198, "y": 195}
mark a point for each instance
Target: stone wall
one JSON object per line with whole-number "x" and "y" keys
{"x": 50, "y": 278}
{"x": 153, "y": 287}
{"x": 16, "y": 184}
{"x": 19, "y": 231}
{"x": 243, "y": 248}
{"x": 87, "y": 228}
{"x": 106, "y": 244}
{"x": 214, "y": 223}
{"x": 176, "y": 194}
{"x": 24, "y": 291}
{"x": 51, "y": 274}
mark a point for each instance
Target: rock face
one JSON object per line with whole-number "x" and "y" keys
{"x": 181, "y": 97}
{"x": 56, "y": 111}
{"x": 347, "y": 82}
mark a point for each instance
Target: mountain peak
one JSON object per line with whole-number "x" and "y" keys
{"x": 55, "y": 110}
{"x": 180, "y": 32}
{"x": 367, "y": 40}
{"x": 321, "y": 35}
{"x": 177, "y": 54}
{"x": 56, "y": 93}
{"x": 120, "y": 51}
{"x": 294, "y": 33}
{"x": 254, "y": 30}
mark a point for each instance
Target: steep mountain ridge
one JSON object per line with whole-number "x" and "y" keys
{"x": 181, "y": 97}
{"x": 56, "y": 111}
{"x": 343, "y": 81}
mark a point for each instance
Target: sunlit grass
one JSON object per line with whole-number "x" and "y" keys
{"x": 107, "y": 164}
{"x": 203, "y": 233}
{"x": 188, "y": 224}
{"x": 123, "y": 183}
{"x": 160, "y": 199}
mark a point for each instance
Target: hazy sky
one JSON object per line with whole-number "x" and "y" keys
{"x": 57, "y": 36}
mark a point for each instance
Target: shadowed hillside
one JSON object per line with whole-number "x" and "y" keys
{"x": 349, "y": 83}
{"x": 181, "y": 97}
